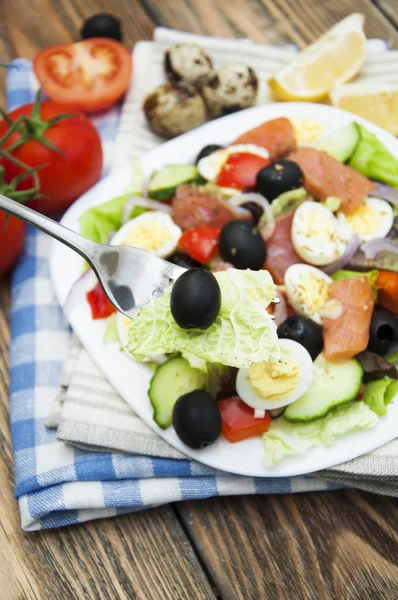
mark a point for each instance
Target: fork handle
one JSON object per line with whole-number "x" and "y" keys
{"x": 73, "y": 240}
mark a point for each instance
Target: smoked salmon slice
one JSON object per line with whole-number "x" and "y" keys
{"x": 325, "y": 176}
{"x": 277, "y": 136}
{"x": 280, "y": 251}
{"x": 194, "y": 206}
{"x": 348, "y": 335}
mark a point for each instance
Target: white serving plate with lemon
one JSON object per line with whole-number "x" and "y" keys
{"x": 131, "y": 379}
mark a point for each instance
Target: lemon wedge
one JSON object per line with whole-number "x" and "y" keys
{"x": 335, "y": 58}
{"x": 375, "y": 101}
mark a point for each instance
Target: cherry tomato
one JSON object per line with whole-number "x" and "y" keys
{"x": 12, "y": 236}
{"x": 69, "y": 172}
{"x": 99, "y": 303}
{"x": 387, "y": 297}
{"x": 238, "y": 422}
{"x": 92, "y": 74}
{"x": 200, "y": 243}
{"x": 240, "y": 170}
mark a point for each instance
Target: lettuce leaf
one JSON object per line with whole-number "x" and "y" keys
{"x": 289, "y": 200}
{"x": 373, "y": 159}
{"x": 378, "y": 395}
{"x": 110, "y": 333}
{"x": 242, "y": 334}
{"x": 284, "y": 439}
{"x": 99, "y": 221}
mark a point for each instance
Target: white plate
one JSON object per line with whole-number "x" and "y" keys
{"x": 131, "y": 379}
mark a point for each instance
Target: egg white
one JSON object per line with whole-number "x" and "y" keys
{"x": 305, "y": 375}
{"x": 363, "y": 221}
{"x": 318, "y": 237}
{"x": 159, "y": 220}
{"x": 210, "y": 166}
{"x": 304, "y": 284}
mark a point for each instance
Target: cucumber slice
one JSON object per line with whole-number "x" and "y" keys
{"x": 164, "y": 182}
{"x": 334, "y": 384}
{"x": 341, "y": 144}
{"x": 171, "y": 380}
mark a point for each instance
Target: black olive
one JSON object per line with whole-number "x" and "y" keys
{"x": 278, "y": 178}
{"x": 197, "y": 419}
{"x": 241, "y": 244}
{"x": 195, "y": 299}
{"x": 303, "y": 331}
{"x": 207, "y": 150}
{"x": 255, "y": 209}
{"x": 184, "y": 260}
{"x": 383, "y": 334}
{"x": 102, "y": 25}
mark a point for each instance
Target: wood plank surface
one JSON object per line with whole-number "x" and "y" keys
{"x": 339, "y": 545}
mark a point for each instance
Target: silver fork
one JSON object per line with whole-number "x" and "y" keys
{"x": 130, "y": 277}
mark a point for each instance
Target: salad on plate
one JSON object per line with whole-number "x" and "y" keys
{"x": 284, "y": 325}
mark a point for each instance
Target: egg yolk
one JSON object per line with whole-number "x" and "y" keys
{"x": 318, "y": 226}
{"x": 307, "y": 131}
{"x": 148, "y": 236}
{"x": 364, "y": 221}
{"x": 312, "y": 292}
{"x": 273, "y": 381}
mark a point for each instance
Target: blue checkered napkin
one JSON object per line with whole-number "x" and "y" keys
{"x": 57, "y": 484}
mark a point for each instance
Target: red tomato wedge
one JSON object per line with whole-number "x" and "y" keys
{"x": 240, "y": 170}
{"x": 90, "y": 75}
{"x": 99, "y": 303}
{"x": 347, "y": 335}
{"x": 201, "y": 242}
{"x": 387, "y": 297}
{"x": 277, "y": 136}
{"x": 12, "y": 236}
{"x": 238, "y": 422}
{"x": 193, "y": 207}
{"x": 280, "y": 251}
{"x": 325, "y": 176}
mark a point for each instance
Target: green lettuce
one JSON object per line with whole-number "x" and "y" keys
{"x": 284, "y": 439}
{"x": 378, "y": 394}
{"x": 98, "y": 222}
{"x": 372, "y": 158}
{"x": 289, "y": 200}
{"x": 242, "y": 334}
{"x": 110, "y": 333}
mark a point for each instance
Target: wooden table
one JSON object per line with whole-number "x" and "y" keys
{"x": 341, "y": 545}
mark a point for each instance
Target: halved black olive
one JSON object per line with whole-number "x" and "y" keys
{"x": 383, "y": 334}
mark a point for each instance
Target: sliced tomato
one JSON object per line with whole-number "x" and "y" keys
{"x": 201, "y": 242}
{"x": 238, "y": 422}
{"x": 387, "y": 284}
{"x": 90, "y": 75}
{"x": 348, "y": 335}
{"x": 99, "y": 303}
{"x": 240, "y": 170}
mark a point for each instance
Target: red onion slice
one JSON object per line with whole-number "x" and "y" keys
{"x": 341, "y": 262}
{"x": 266, "y": 222}
{"x": 385, "y": 192}
{"x": 374, "y": 247}
{"x": 280, "y": 309}
{"x": 145, "y": 203}
{"x": 274, "y": 413}
{"x": 78, "y": 291}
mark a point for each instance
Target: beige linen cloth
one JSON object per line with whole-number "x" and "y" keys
{"x": 87, "y": 411}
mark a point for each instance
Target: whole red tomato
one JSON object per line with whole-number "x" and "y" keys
{"x": 70, "y": 171}
{"x": 12, "y": 236}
